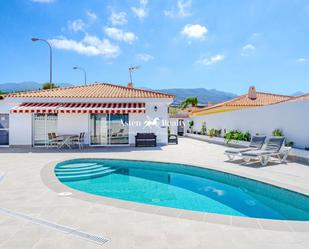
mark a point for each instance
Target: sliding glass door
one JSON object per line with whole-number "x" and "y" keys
{"x": 108, "y": 129}
{"x": 98, "y": 129}
{"x": 4, "y": 129}
{"x": 42, "y": 125}
{"x": 119, "y": 131}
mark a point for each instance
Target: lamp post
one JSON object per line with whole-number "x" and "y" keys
{"x": 50, "y": 58}
{"x": 131, "y": 69}
{"x": 85, "y": 74}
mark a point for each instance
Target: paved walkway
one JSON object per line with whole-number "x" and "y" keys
{"x": 22, "y": 190}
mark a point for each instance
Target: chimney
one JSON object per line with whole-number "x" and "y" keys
{"x": 130, "y": 85}
{"x": 252, "y": 93}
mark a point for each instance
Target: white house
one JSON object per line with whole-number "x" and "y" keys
{"x": 108, "y": 114}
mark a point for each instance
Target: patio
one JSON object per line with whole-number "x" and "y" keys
{"x": 23, "y": 190}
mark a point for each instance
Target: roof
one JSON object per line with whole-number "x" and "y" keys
{"x": 262, "y": 99}
{"x": 97, "y": 90}
{"x": 302, "y": 97}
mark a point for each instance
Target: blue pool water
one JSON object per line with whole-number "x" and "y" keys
{"x": 184, "y": 187}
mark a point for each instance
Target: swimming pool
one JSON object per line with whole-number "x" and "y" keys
{"x": 184, "y": 187}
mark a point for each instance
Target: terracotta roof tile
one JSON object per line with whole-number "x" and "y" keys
{"x": 98, "y": 90}
{"x": 262, "y": 99}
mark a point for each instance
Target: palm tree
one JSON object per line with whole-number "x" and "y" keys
{"x": 49, "y": 86}
{"x": 190, "y": 101}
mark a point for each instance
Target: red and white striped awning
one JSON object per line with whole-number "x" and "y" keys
{"x": 112, "y": 108}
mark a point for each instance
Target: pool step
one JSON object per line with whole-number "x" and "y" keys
{"x": 82, "y": 172}
{"x": 75, "y": 165}
{"x": 85, "y": 176}
{"x": 60, "y": 170}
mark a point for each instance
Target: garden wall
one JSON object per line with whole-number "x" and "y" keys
{"x": 290, "y": 117}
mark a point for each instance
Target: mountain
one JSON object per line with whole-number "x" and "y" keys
{"x": 25, "y": 86}
{"x": 203, "y": 95}
{"x": 298, "y": 93}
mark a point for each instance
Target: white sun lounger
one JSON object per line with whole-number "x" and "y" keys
{"x": 256, "y": 143}
{"x": 273, "y": 148}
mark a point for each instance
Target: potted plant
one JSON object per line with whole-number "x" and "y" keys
{"x": 191, "y": 124}
{"x": 204, "y": 129}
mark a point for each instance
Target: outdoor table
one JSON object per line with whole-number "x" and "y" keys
{"x": 66, "y": 140}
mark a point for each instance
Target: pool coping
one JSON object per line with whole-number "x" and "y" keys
{"x": 52, "y": 182}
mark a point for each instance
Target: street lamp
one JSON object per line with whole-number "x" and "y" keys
{"x": 85, "y": 74}
{"x": 50, "y": 58}
{"x": 131, "y": 69}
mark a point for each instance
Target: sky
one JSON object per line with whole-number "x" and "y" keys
{"x": 222, "y": 44}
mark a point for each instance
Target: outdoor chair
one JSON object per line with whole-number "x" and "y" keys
{"x": 273, "y": 148}
{"x": 172, "y": 138}
{"x": 79, "y": 140}
{"x": 53, "y": 140}
{"x": 256, "y": 143}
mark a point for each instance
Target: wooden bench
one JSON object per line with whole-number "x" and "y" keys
{"x": 145, "y": 140}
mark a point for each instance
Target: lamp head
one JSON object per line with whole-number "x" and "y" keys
{"x": 34, "y": 39}
{"x": 75, "y": 67}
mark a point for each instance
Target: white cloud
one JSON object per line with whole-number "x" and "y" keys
{"x": 182, "y": 9}
{"x": 89, "y": 45}
{"x": 118, "y": 18}
{"x": 142, "y": 10}
{"x": 194, "y": 31}
{"x": 43, "y": 1}
{"x": 301, "y": 60}
{"x": 77, "y": 25}
{"x": 247, "y": 49}
{"x": 145, "y": 57}
{"x": 210, "y": 60}
{"x": 91, "y": 15}
{"x": 120, "y": 35}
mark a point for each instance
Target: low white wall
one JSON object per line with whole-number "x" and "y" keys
{"x": 20, "y": 132}
{"x": 290, "y": 117}
{"x": 69, "y": 123}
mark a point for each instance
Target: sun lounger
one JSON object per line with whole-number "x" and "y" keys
{"x": 256, "y": 143}
{"x": 272, "y": 148}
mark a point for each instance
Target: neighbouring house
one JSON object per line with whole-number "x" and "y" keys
{"x": 260, "y": 113}
{"x": 108, "y": 114}
{"x": 249, "y": 100}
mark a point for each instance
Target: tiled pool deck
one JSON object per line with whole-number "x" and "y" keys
{"x": 29, "y": 187}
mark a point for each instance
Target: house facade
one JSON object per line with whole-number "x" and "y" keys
{"x": 108, "y": 114}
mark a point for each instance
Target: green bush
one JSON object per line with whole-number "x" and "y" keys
{"x": 214, "y": 133}
{"x": 237, "y": 135}
{"x": 277, "y": 133}
{"x": 191, "y": 124}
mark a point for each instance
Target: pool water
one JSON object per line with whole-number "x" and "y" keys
{"x": 183, "y": 187}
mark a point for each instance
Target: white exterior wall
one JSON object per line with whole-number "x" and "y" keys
{"x": 71, "y": 123}
{"x": 20, "y": 131}
{"x": 290, "y": 117}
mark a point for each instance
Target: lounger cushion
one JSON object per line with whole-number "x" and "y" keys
{"x": 236, "y": 151}
{"x": 255, "y": 153}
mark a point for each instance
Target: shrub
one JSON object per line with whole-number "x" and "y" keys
{"x": 289, "y": 144}
{"x": 214, "y": 133}
{"x": 237, "y": 135}
{"x": 191, "y": 124}
{"x": 277, "y": 133}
